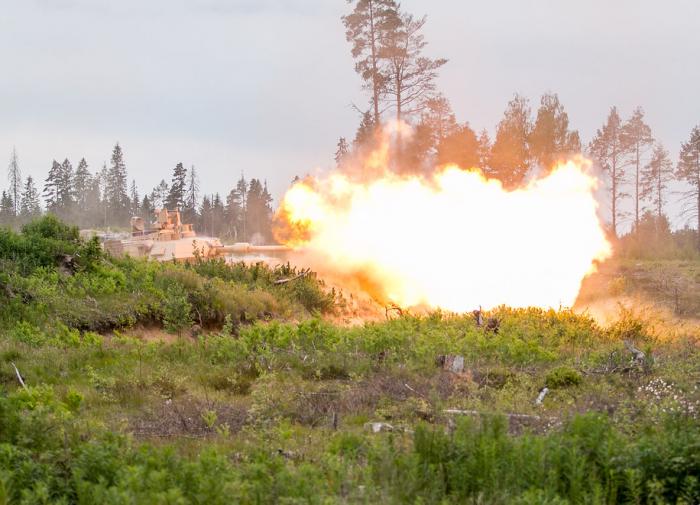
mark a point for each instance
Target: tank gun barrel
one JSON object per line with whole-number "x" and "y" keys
{"x": 246, "y": 248}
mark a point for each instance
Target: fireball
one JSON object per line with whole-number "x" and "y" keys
{"x": 455, "y": 240}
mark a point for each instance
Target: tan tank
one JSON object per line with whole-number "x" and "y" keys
{"x": 168, "y": 239}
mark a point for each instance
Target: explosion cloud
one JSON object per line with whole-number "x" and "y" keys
{"x": 454, "y": 240}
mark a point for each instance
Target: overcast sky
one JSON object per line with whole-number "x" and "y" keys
{"x": 266, "y": 87}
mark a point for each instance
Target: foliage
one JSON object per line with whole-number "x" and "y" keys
{"x": 52, "y": 279}
{"x": 562, "y": 377}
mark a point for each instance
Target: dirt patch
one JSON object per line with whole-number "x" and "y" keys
{"x": 184, "y": 417}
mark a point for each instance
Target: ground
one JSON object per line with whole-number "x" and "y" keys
{"x": 370, "y": 412}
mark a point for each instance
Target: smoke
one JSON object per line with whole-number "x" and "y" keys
{"x": 448, "y": 238}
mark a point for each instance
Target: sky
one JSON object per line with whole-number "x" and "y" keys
{"x": 266, "y": 87}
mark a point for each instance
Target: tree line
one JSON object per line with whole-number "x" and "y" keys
{"x": 105, "y": 199}
{"x": 387, "y": 45}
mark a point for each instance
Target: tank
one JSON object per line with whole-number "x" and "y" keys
{"x": 168, "y": 239}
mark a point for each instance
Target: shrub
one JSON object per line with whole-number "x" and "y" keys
{"x": 562, "y": 377}
{"x": 177, "y": 310}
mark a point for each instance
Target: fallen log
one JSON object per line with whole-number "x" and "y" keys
{"x": 303, "y": 273}
{"x": 508, "y": 415}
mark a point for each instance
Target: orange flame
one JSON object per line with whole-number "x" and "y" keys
{"x": 455, "y": 240}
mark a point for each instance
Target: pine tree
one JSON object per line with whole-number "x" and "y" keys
{"x": 116, "y": 187}
{"x": 178, "y": 186}
{"x": 30, "y": 206}
{"x": 341, "y": 151}
{"x": 50, "y": 193}
{"x": 550, "y": 138}
{"x": 636, "y": 137}
{"x": 367, "y": 28}
{"x": 510, "y": 156}
{"x": 609, "y": 150}
{"x": 14, "y": 175}
{"x": 688, "y": 170}
{"x": 411, "y": 75}
{"x": 656, "y": 176}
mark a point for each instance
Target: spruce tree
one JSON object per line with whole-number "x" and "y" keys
{"x": 341, "y": 151}
{"x": 134, "y": 199}
{"x": 258, "y": 211}
{"x": 242, "y": 189}
{"x": 205, "y": 216}
{"x": 7, "y": 210}
{"x": 116, "y": 194}
{"x": 50, "y": 193}
{"x": 510, "y": 156}
{"x": 30, "y": 206}
{"x": 191, "y": 196}
{"x": 550, "y": 138}
{"x": 160, "y": 194}
{"x": 94, "y": 208}
{"x": 65, "y": 193}
{"x": 178, "y": 185}
{"x": 14, "y": 175}
{"x": 366, "y": 135}
{"x": 147, "y": 209}
{"x": 81, "y": 183}
{"x": 218, "y": 215}
{"x": 234, "y": 214}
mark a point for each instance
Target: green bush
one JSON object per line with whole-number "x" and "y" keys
{"x": 562, "y": 377}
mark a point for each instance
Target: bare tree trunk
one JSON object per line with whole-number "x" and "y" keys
{"x": 375, "y": 84}
{"x": 614, "y": 196}
{"x": 658, "y": 188}
{"x": 636, "y": 189}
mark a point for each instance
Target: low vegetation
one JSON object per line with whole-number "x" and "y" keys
{"x": 209, "y": 383}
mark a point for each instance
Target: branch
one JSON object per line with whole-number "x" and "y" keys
{"x": 19, "y": 376}
{"x": 279, "y": 282}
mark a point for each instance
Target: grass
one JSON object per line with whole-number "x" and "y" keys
{"x": 269, "y": 402}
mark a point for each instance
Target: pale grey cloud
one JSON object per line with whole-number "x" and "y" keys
{"x": 266, "y": 86}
